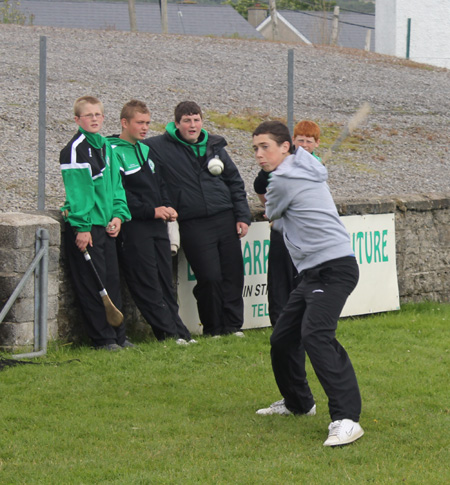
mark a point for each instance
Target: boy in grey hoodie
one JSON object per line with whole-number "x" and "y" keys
{"x": 298, "y": 196}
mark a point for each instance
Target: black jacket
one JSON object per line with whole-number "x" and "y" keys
{"x": 193, "y": 190}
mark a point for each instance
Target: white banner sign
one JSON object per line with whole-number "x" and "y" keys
{"x": 373, "y": 241}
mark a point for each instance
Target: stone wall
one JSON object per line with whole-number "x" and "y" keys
{"x": 423, "y": 260}
{"x": 17, "y": 251}
{"x": 422, "y": 232}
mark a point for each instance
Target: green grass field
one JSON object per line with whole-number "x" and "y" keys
{"x": 165, "y": 414}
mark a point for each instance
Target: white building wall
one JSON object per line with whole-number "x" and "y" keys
{"x": 430, "y": 30}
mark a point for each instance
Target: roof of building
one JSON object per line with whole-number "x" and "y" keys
{"x": 190, "y": 19}
{"x": 316, "y": 27}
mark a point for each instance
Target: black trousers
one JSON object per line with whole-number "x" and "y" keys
{"x": 146, "y": 262}
{"x": 310, "y": 319}
{"x": 213, "y": 249}
{"x": 281, "y": 276}
{"x": 104, "y": 256}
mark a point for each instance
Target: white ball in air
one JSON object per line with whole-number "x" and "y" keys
{"x": 215, "y": 166}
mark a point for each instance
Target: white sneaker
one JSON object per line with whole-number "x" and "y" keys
{"x": 181, "y": 341}
{"x": 192, "y": 341}
{"x": 239, "y": 334}
{"x": 312, "y": 411}
{"x": 278, "y": 407}
{"x": 343, "y": 432}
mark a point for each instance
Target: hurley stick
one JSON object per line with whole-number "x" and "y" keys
{"x": 353, "y": 123}
{"x": 113, "y": 316}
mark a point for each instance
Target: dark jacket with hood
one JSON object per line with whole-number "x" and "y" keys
{"x": 193, "y": 190}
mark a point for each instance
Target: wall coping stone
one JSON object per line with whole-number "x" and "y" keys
{"x": 380, "y": 205}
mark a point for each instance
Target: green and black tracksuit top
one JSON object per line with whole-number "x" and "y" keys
{"x": 193, "y": 190}
{"x": 143, "y": 184}
{"x": 91, "y": 175}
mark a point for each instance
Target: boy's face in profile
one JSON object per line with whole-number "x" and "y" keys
{"x": 308, "y": 143}
{"x": 136, "y": 128}
{"x": 91, "y": 118}
{"x": 268, "y": 153}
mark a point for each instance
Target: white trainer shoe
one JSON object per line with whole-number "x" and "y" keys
{"x": 312, "y": 411}
{"x": 343, "y": 432}
{"x": 182, "y": 341}
{"x": 239, "y": 334}
{"x": 279, "y": 407}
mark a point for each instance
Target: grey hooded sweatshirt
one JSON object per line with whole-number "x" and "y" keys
{"x": 299, "y": 196}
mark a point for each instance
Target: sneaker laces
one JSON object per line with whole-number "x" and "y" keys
{"x": 334, "y": 428}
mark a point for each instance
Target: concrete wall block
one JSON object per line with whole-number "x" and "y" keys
{"x": 52, "y": 307}
{"x": 53, "y": 284}
{"x": 415, "y": 202}
{"x": 52, "y": 329}
{"x": 9, "y": 282}
{"x": 53, "y": 259}
{"x": 16, "y": 334}
{"x": 363, "y": 206}
{"x": 16, "y": 260}
{"x": 18, "y": 230}
{"x": 22, "y": 311}
{"x": 17, "y": 236}
{"x": 19, "y": 260}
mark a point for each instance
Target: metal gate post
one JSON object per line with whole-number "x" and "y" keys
{"x": 40, "y": 296}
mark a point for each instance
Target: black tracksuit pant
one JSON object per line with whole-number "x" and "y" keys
{"x": 310, "y": 318}
{"x": 281, "y": 275}
{"x": 146, "y": 261}
{"x": 104, "y": 256}
{"x": 213, "y": 249}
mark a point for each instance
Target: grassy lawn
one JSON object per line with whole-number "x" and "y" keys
{"x": 165, "y": 414}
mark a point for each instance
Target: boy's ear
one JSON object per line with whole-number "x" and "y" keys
{"x": 124, "y": 123}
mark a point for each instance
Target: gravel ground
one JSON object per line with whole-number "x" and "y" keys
{"x": 402, "y": 148}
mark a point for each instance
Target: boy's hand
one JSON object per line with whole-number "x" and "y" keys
{"x": 174, "y": 215}
{"x": 166, "y": 213}
{"x": 113, "y": 228}
{"x": 242, "y": 229}
{"x": 83, "y": 240}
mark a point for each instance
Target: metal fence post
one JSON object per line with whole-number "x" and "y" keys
{"x": 290, "y": 93}
{"x": 408, "y": 38}
{"x": 42, "y": 120}
{"x": 40, "y": 267}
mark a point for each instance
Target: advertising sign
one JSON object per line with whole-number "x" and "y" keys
{"x": 373, "y": 241}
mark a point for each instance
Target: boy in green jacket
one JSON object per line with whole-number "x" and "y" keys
{"x": 144, "y": 247}
{"x": 94, "y": 210}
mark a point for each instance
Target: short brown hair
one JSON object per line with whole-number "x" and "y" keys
{"x": 187, "y": 108}
{"x": 307, "y": 128}
{"x": 134, "y": 106}
{"x": 81, "y": 102}
{"x": 276, "y": 130}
